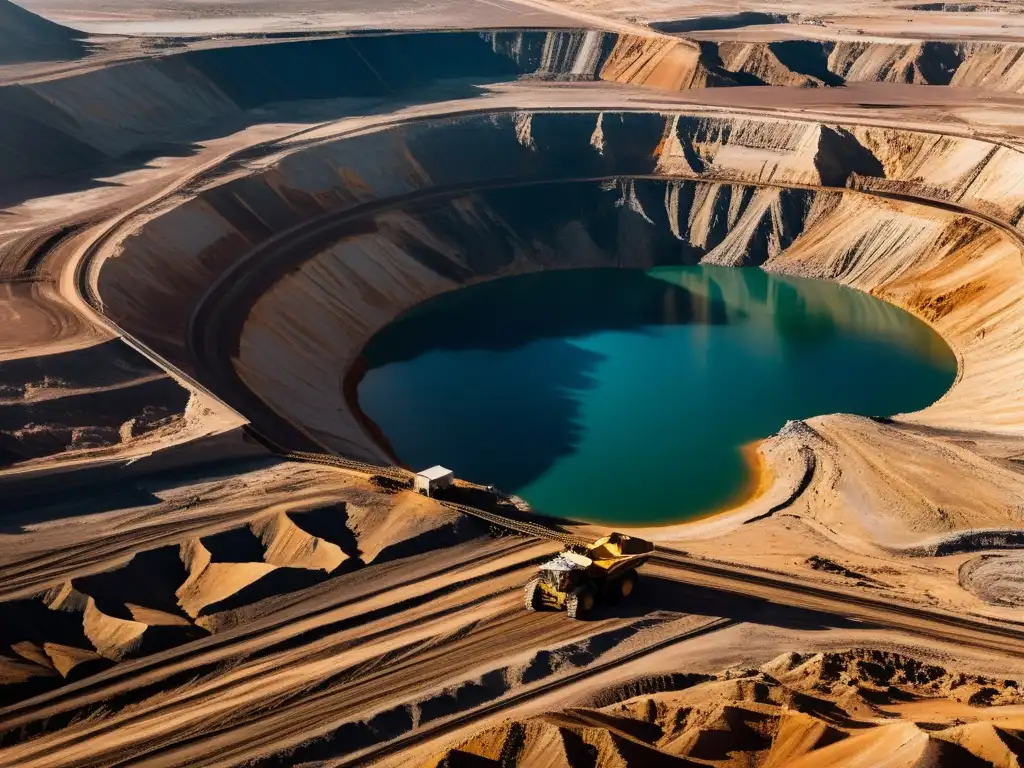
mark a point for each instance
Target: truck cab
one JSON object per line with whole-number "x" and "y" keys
{"x": 574, "y": 582}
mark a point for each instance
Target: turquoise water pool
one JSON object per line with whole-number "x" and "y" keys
{"x": 626, "y": 397}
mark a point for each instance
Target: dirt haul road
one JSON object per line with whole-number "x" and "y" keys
{"x": 397, "y": 655}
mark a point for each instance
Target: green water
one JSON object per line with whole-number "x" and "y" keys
{"x": 623, "y": 396}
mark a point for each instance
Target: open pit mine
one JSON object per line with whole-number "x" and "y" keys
{"x": 557, "y": 383}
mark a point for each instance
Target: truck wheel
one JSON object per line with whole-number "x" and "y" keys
{"x": 530, "y": 593}
{"x": 580, "y": 604}
{"x": 627, "y": 584}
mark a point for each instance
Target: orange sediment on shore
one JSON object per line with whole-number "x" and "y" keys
{"x": 756, "y": 483}
{"x": 759, "y": 476}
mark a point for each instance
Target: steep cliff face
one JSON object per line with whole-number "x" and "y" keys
{"x": 530, "y": 191}
{"x": 76, "y": 123}
{"x": 309, "y": 328}
{"x": 564, "y": 54}
{"x": 978, "y": 174}
{"x": 817, "y": 63}
{"x": 762, "y": 63}
{"x": 990, "y": 66}
{"x": 677, "y": 63}
{"x": 199, "y": 240}
{"x": 364, "y": 281}
{"x": 655, "y": 62}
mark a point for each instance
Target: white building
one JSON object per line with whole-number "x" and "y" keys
{"x": 430, "y": 480}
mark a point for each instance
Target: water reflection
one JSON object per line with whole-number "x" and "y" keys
{"x": 517, "y": 311}
{"x": 624, "y": 396}
{"x": 805, "y": 309}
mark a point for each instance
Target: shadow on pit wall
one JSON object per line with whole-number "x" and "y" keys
{"x": 49, "y": 145}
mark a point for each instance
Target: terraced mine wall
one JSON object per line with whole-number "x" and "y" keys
{"x": 349, "y": 234}
{"x": 816, "y": 63}
{"x": 75, "y": 124}
{"x": 198, "y": 240}
{"x": 311, "y": 325}
{"x": 93, "y": 397}
{"x": 661, "y": 189}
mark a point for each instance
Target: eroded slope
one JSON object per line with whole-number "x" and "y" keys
{"x": 827, "y": 709}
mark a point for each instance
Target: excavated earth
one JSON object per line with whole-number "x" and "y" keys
{"x": 206, "y": 211}
{"x": 795, "y": 710}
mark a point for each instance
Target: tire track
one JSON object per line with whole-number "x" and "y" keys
{"x": 787, "y": 590}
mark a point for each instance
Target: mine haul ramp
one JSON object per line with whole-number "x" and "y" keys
{"x": 575, "y": 581}
{"x": 581, "y": 576}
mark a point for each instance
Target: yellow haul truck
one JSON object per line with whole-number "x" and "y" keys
{"x": 581, "y": 576}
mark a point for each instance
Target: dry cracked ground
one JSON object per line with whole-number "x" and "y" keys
{"x": 207, "y": 208}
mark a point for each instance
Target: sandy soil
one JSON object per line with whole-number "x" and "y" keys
{"x": 217, "y": 18}
{"x": 794, "y": 710}
{"x": 181, "y": 298}
{"x": 875, "y": 17}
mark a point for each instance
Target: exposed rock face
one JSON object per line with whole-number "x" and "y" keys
{"x": 679, "y": 64}
{"x": 209, "y": 233}
{"x": 72, "y": 124}
{"x": 739, "y": 191}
